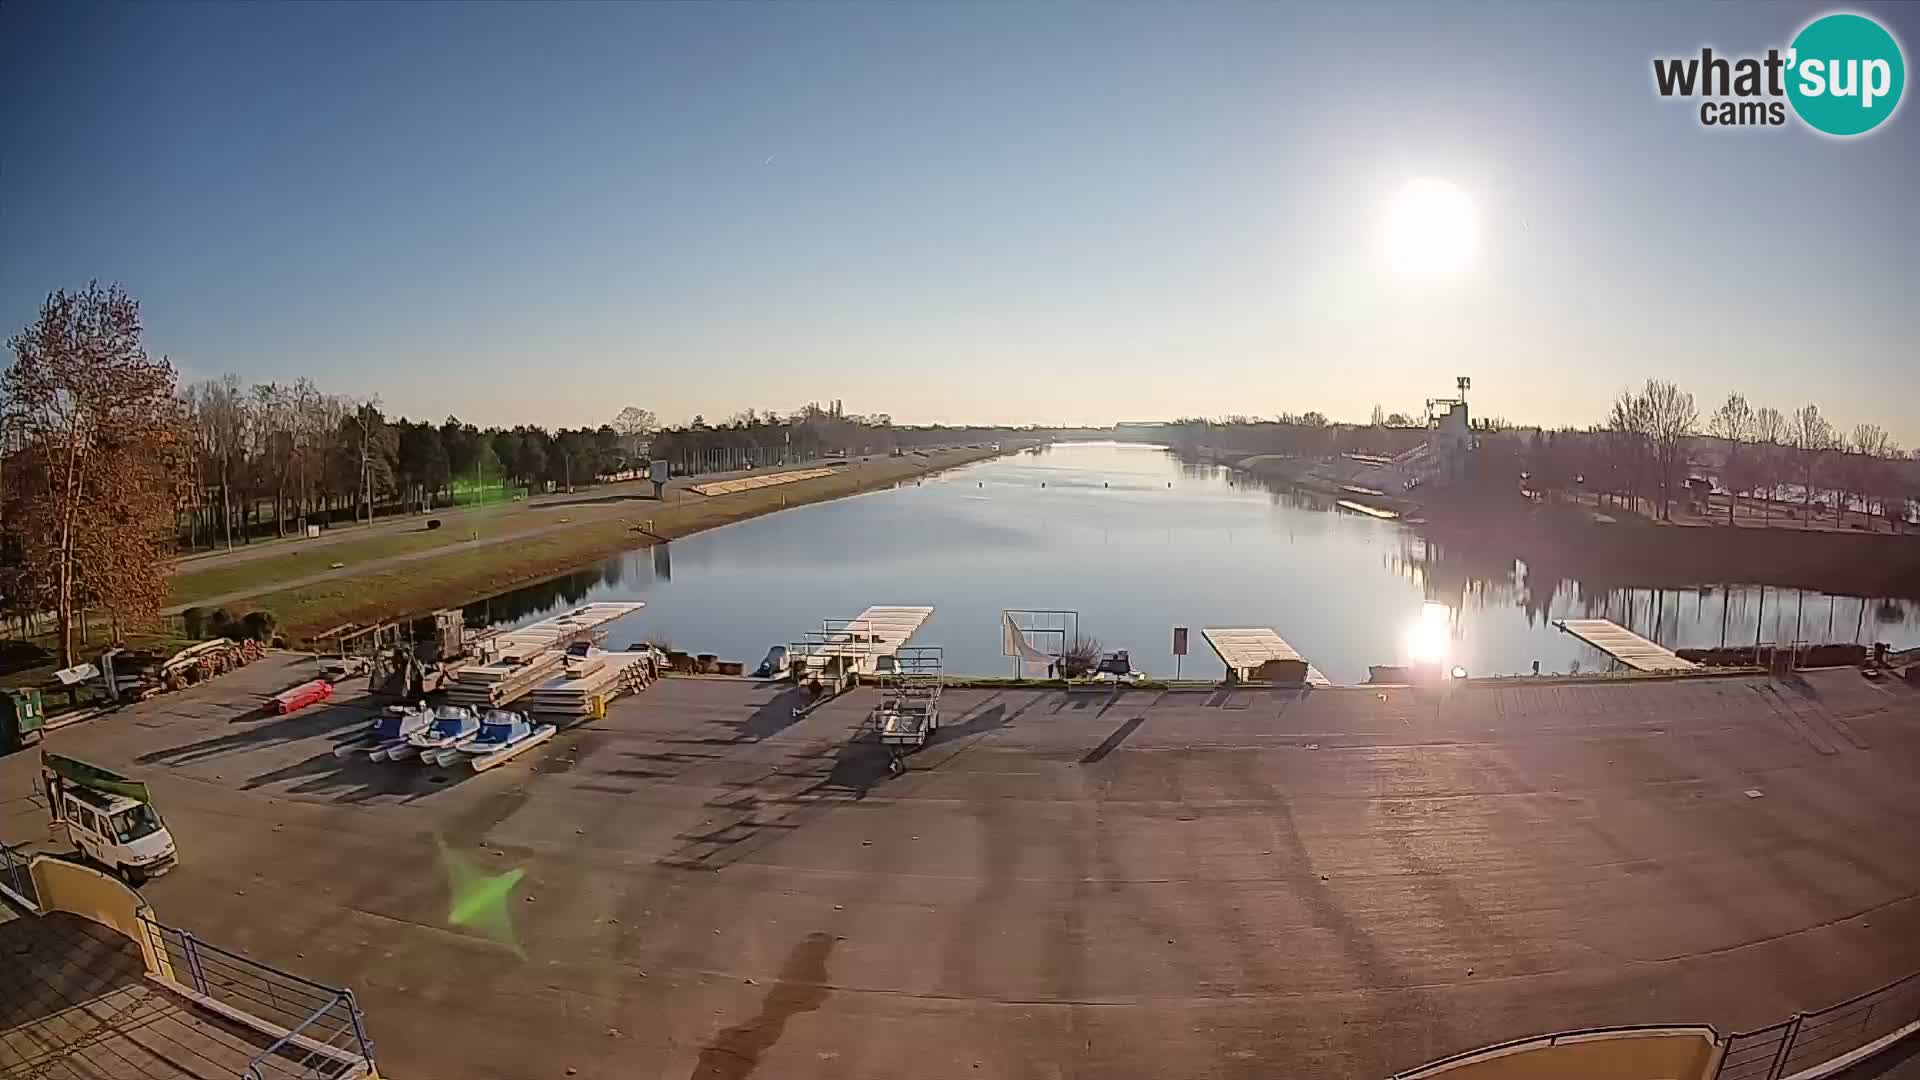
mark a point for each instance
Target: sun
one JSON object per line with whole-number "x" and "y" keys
{"x": 1431, "y": 230}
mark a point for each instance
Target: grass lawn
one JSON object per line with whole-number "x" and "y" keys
{"x": 462, "y": 576}
{"x": 263, "y": 573}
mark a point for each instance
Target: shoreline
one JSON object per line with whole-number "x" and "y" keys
{"x": 406, "y": 585}
{"x": 1637, "y": 553}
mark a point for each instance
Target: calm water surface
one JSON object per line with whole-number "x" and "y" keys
{"x": 1137, "y": 543}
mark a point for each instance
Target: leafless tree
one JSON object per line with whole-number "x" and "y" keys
{"x": 634, "y": 424}
{"x": 1812, "y": 438}
{"x": 222, "y": 421}
{"x": 1733, "y": 423}
{"x": 1671, "y": 419}
{"x": 1769, "y": 433}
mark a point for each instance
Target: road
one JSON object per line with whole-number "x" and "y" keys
{"x": 1334, "y": 883}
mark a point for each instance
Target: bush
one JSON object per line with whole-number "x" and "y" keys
{"x": 193, "y": 622}
{"x": 219, "y": 622}
{"x": 259, "y": 625}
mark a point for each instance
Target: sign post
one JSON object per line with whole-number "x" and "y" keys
{"x": 1179, "y": 649}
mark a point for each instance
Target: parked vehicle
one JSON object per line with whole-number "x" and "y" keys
{"x": 109, "y": 818}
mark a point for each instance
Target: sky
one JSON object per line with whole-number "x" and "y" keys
{"x": 999, "y": 212}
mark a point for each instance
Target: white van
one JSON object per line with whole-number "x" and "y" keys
{"x": 121, "y": 834}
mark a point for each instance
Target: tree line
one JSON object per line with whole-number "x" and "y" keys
{"x": 1640, "y": 457}
{"x": 1654, "y": 439}
{"x": 270, "y": 458}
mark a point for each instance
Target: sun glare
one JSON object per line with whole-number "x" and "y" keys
{"x": 1431, "y": 229}
{"x": 1429, "y": 638}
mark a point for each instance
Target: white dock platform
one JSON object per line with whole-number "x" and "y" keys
{"x": 1258, "y": 654}
{"x": 863, "y": 639}
{"x": 1626, "y": 646}
{"x": 561, "y": 630}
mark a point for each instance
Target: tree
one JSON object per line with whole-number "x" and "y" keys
{"x": 372, "y": 445}
{"x": 93, "y": 425}
{"x": 422, "y": 461}
{"x": 1812, "y": 437}
{"x": 1379, "y": 418}
{"x": 1671, "y": 418}
{"x": 1733, "y": 423}
{"x": 1769, "y": 432}
{"x": 223, "y": 420}
{"x": 634, "y": 425}
{"x": 1628, "y": 446}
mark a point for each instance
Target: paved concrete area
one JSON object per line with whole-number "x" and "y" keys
{"x": 75, "y": 1004}
{"x": 1332, "y": 883}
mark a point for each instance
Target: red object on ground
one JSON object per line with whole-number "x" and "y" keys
{"x": 302, "y": 696}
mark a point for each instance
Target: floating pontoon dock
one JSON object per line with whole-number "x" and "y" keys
{"x": 859, "y": 643}
{"x": 581, "y": 624}
{"x": 1626, "y": 646}
{"x": 1259, "y": 654}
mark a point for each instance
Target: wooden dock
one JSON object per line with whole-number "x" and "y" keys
{"x": 1259, "y": 654}
{"x": 1626, "y": 646}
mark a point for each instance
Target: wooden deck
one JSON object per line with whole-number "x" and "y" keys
{"x": 1626, "y": 646}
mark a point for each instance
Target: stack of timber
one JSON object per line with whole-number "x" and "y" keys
{"x": 586, "y": 684}
{"x": 489, "y": 686}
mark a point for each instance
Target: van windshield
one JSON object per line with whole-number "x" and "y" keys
{"x": 131, "y": 825}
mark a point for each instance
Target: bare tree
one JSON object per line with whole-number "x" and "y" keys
{"x": 222, "y": 424}
{"x": 635, "y": 424}
{"x": 1379, "y": 418}
{"x": 93, "y": 421}
{"x": 1671, "y": 419}
{"x": 1812, "y": 437}
{"x": 1769, "y": 432}
{"x": 1629, "y": 447}
{"x": 1733, "y": 422}
{"x": 1867, "y": 466}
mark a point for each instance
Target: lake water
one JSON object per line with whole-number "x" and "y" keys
{"x": 1136, "y": 543}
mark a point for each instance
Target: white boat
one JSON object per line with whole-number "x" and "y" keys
{"x": 451, "y": 726}
{"x": 389, "y": 729}
{"x": 503, "y": 736}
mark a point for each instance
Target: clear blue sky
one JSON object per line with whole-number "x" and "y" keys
{"x": 1055, "y": 213}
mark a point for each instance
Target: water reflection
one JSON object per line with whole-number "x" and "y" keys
{"x": 1138, "y": 542}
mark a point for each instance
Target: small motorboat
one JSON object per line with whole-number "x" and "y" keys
{"x": 440, "y": 740}
{"x": 503, "y": 736}
{"x": 391, "y": 728}
{"x": 774, "y": 666}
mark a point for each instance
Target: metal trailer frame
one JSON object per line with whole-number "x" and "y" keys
{"x": 908, "y": 716}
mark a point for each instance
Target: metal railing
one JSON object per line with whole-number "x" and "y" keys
{"x": 323, "y": 1031}
{"x": 1807, "y": 1039}
{"x": 17, "y": 876}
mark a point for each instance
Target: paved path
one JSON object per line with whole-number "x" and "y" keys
{"x": 1339, "y": 883}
